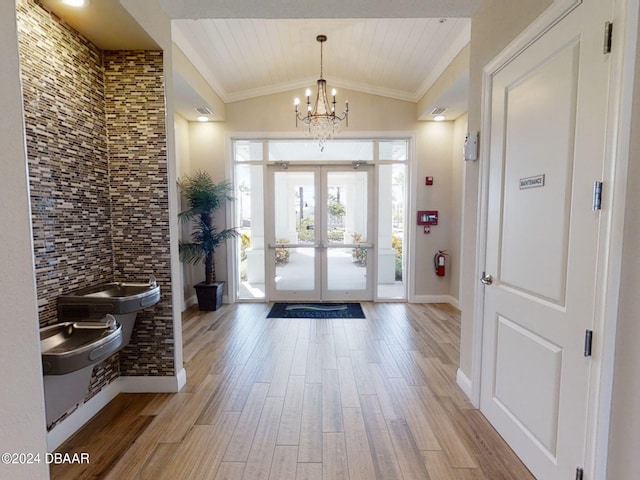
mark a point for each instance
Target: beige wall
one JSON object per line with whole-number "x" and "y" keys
{"x": 457, "y": 198}
{"x": 181, "y": 127}
{"x": 275, "y": 113}
{"x": 494, "y": 25}
{"x": 433, "y": 153}
{"x": 183, "y": 167}
{"x": 458, "y": 68}
{"x": 625, "y": 418}
{"x": 185, "y": 69}
{"x": 207, "y": 153}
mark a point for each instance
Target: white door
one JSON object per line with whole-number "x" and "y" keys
{"x": 548, "y": 117}
{"x": 319, "y": 230}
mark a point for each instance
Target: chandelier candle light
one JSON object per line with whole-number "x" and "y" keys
{"x": 321, "y": 120}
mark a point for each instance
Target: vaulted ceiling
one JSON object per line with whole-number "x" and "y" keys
{"x": 248, "y": 48}
{"x": 393, "y": 57}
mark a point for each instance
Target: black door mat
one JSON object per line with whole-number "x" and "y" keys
{"x": 316, "y": 310}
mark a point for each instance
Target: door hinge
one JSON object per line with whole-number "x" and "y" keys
{"x": 579, "y": 473}
{"x": 588, "y": 342}
{"x": 597, "y": 196}
{"x": 608, "y": 37}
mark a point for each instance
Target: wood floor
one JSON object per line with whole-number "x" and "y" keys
{"x": 303, "y": 399}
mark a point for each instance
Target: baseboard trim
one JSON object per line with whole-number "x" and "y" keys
{"x": 164, "y": 384}
{"x": 190, "y": 302}
{"x": 434, "y": 299}
{"x": 464, "y": 383}
{"x": 85, "y": 412}
{"x": 181, "y": 379}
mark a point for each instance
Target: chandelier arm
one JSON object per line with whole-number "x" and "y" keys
{"x": 321, "y": 121}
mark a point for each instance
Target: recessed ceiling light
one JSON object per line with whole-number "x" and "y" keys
{"x": 76, "y": 3}
{"x": 439, "y": 118}
{"x": 202, "y": 118}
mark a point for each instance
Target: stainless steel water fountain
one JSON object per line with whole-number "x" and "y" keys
{"x": 123, "y": 300}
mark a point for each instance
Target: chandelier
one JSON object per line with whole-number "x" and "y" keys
{"x": 321, "y": 121}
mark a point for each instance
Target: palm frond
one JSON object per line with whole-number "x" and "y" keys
{"x": 192, "y": 253}
{"x": 204, "y": 196}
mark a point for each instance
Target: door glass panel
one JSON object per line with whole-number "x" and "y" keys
{"x": 397, "y": 150}
{"x": 391, "y": 238}
{"x": 295, "y": 202}
{"x": 301, "y": 150}
{"x": 347, "y": 269}
{"x": 295, "y": 269}
{"x": 346, "y": 223}
{"x": 346, "y": 207}
{"x": 246, "y": 150}
{"x": 250, "y": 221}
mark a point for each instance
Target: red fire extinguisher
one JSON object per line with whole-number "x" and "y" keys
{"x": 439, "y": 262}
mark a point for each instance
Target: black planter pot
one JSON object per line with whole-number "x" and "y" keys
{"x": 209, "y": 295}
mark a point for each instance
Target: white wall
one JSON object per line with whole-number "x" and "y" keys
{"x": 22, "y": 419}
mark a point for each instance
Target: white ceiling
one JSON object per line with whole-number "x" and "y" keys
{"x": 317, "y": 8}
{"x": 393, "y": 57}
{"x": 105, "y": 22}
{"x": 248, "y": 48}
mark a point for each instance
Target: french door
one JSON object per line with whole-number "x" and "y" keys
{"x": 319, "y": 230}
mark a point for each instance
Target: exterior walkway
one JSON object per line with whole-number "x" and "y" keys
{"x": 298, "y": 274}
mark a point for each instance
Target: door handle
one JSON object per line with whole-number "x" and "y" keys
{"x": 486, "y": 279}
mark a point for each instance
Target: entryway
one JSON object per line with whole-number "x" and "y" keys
{"x": 321, "y": 225}
{"x": 319, "y": 230}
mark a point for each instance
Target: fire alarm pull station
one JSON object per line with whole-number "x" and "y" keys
{"x": 428, "y": 180}
{"x": 427, "y": 217}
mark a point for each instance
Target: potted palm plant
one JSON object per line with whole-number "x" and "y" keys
{"x": 204, "y": 197}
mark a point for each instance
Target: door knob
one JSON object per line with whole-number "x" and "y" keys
{"x": 486, "y": 279}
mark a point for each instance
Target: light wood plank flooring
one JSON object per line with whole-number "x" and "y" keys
{"x": 281, "y": 399}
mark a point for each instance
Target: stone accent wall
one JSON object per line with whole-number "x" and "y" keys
{"x": 98, "y": 179}
{"x": 135, "y": 112}
{"x": 63, "y": 88}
